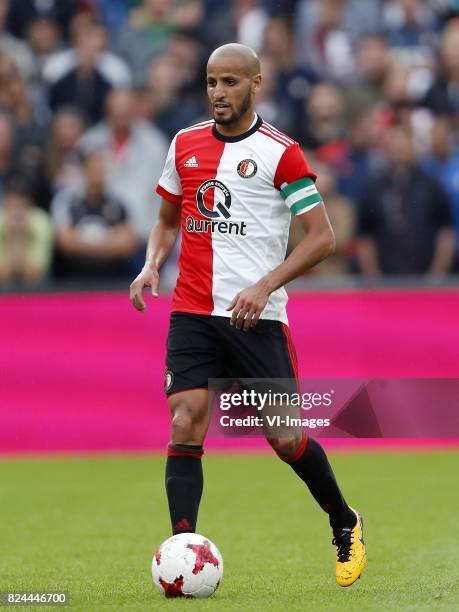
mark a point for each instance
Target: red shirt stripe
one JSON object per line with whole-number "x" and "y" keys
{"x": 193, "y": 292}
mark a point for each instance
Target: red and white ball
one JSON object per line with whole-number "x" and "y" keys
{"x": 187, "y": 565}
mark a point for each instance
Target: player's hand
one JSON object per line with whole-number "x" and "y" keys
{"x": 148, "y": 277}
{"x": 247, "y": 306}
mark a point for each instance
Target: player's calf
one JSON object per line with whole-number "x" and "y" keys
{"x": 184, "y": 484}
{"x": 310, "y": 463}
{"x": 184, "y": 477}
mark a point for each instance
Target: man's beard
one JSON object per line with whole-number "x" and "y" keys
{"x": 236, "y": 115}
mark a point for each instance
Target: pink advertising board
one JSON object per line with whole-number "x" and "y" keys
{"x": 84, "y": 372}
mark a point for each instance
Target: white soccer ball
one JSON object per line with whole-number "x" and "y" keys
{"x": 187, "y": 565}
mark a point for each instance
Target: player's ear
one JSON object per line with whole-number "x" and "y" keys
{"x": 256, "y": 83}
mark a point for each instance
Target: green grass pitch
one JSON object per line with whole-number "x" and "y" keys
{"x": 90, "y": 526}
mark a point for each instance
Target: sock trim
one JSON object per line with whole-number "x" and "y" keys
{"x": 185, "y": 450}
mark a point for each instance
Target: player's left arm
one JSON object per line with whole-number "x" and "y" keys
{"x": 296, "y": 182}
{"x": 317, "y": 244}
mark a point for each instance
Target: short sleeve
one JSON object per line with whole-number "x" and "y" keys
{"x": 296, "y": 181}
{"x": 169, "y": 185}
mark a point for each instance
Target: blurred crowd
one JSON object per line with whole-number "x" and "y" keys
{"x": 92, "y": 91}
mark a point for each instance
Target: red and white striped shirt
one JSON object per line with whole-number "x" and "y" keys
{"x": 237, "y": 196}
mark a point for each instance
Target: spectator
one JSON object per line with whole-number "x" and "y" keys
{"x": 337, "y": 76}
{"x": 293, "y": 82}
{"x": 23, "y": 12}
{"x": 326, "y": 31}
{"x": 443, "y": 163}
{"x": 26, "y": 237}
{"x": 188, "y": 52}
{"x": 170, "y": 109}
{"x": 134, "y": 152}
{"x": 276, "y": 107}
{"x": 362, "y": 156}
{"x": 404, "y": 217}
{"x": 93, "y": 233}
{"x": 250, "y": 18}
{"x": 7, "y": 160}
{"x": 220, "y": 26}
{"x": 112, "y": 12}
{"x": 325, "y": 125}
{"x": 62, "y": 159}
{"x": 325, "y": 113}
{"x": 343, "y": 219}
{"x": 269, "y": 106}
{"x": 149, "y": 29}
{"x": 114, "y": 70}
{"x": 44, "y": 38}
{"x": 13, "y": 47}
{"x": 84, "y": 85}
{"x": 402, "y": 91}
{"x": 443, "y": 96}
{"x": 373, "y": 63}
{"x": 28, "y": 126}
{"x": 410, "y": 26}
{"x": 16, "y": 97}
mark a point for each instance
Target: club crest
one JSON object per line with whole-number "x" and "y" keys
{"x": 247, "y": 168}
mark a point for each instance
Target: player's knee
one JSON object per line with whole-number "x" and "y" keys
{"x": 185, "y": 425}
{"x": 182, "y": 423}
{"x": 286, "y": 447}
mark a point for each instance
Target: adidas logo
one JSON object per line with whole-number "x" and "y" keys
{"x": 182, "y": 526}
{"x": 191, "y": 163}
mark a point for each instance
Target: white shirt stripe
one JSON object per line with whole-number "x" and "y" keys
{"x": 300, "y": 194}
{"x": 278, "y": 135}
{"x": 276, "y": 131}
{"x": 307, "y": 208}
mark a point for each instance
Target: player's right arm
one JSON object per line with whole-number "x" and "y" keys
{"x": 160, "y": 244}
{"x": 164, "y": 232}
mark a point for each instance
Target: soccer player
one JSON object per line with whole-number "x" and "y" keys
{"x": 232, "y": 184}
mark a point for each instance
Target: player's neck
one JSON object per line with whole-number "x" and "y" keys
{"x": 239, "y": 127}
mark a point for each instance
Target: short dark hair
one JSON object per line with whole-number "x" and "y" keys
{"x": 19, "y": 185}
{"x": 84, "y": 152}
{"x": 70, "y": 109}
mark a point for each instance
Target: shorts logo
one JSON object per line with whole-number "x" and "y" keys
{"x": 216, "y": 192}
{"x": 247, "y": 168}
{"x": 168, "y": 380}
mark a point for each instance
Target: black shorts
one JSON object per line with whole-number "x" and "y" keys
{"x": 200, "y": 347}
